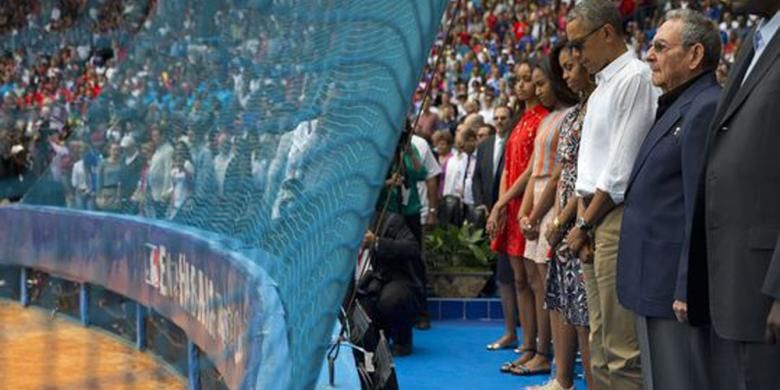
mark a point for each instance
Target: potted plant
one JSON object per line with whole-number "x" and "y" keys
{"x": 458, "y": 259}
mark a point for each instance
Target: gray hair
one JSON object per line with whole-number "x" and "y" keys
{"x": 698, "y": 28}
{"x": 595, "y": 13}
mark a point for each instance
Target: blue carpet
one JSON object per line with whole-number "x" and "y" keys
{"x": 452, "y": 355}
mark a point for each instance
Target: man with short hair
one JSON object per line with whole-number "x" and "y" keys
{"x": 734, "y": 259}
{"x": 659, "y": 203}
{"x": 484, "y": 133}
{"x": 620, "y": 111}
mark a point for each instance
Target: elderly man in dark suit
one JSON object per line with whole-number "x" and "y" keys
{"x": 734, "y": 259}
{"x": 659, "y": 201}
{"x": 487, "y": 175}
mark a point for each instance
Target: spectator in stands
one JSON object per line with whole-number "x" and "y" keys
{"x": 484, "y": 133}
{"x": 159, "y": 174}
{"x": 202, "y": 160}
{"x": 181, "y": 179}
{"x": 222, "y": 160}
{"x": 108, "y": 194}
{"x": 596, "y": 33}
{"x": 142, "y": 197}
{"x": 459, "y": 172}
{"x": 132, "y": 165}
{"x": 443, "y": 142}
{"x": 427, "y": 123}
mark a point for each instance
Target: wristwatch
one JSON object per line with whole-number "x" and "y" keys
{"x": 582, "y": 225}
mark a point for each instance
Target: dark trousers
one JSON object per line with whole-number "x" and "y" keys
{"x": 740, "y": 365}
{"x": 415, "y": 225}
{"x": 393, "y": 310}
{"x": 673, "y": 355}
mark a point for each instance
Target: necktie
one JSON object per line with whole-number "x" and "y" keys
{"x": 758, "y": 43}
{"x": 466, "y": 174}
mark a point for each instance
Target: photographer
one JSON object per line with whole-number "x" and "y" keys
{"x": 392, "y": 293}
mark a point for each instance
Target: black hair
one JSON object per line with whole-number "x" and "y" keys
{"x": 551, "y": 67}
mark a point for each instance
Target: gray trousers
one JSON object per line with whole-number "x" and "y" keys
{"x": 740, "y": 365}
{"x": 674, "y": 355}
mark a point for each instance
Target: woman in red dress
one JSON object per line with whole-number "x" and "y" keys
{"x": 505, "y": 232}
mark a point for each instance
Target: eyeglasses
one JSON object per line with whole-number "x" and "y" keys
{"x": 501, "y": 118}
{"x": 577, "y": 44}
{"x": 660, "y": 47}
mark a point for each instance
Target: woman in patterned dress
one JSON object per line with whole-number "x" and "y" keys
{"x": 505, "y": 232}
{"x": 565, "y": 293}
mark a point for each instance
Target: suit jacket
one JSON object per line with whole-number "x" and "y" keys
{"x": 659, "y": 201}
{"x": 484, "y": 184}
{"x": 734, "y": 270}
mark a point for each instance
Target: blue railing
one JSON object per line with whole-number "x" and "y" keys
{"x": 226, "y": 305}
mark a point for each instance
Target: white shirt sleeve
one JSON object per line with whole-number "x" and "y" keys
{"x": 636, "y": 108}
{"x": 428, "y": 159}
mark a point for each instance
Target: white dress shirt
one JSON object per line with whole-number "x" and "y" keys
{"x": 78, "y": 178}
{"x": 764, "y": 34}
{"x": 498, "y": 151}
{"x": 459, "y": 175}
{"x": 221, "y": 163}
{"x": 431, "y": 166}
{"x": 159, "y": 176}
{"x": 620, "y": 113}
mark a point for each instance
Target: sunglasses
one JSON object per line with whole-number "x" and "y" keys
{"x": 577, "y": 44}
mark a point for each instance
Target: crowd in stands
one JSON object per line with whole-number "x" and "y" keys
{"x": 47, "y": 86}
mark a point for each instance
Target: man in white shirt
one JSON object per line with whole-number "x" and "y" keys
{"x": 619, "y": 114}
{"x": 222, "y": 161}
{"x": 428, "y": 192}
{"x": 429, "y": 189}
{"x": 159, "y": 176}
{"x": 460, "y": 168}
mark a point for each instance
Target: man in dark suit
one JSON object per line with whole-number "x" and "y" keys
{"x": 734, "y": 259}
{"x": 487, "y": 178}
{"x": 659, "y": 201}
{"x": 490, "y": 161}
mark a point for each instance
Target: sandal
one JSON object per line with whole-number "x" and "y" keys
{"x": 527, "y": 355}
{"x": 499, "y": 346}
{"x": 522, "y": 370}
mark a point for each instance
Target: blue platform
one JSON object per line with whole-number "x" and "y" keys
{"x": 452, "y": 355}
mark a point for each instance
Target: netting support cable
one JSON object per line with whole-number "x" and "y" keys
{"x": 24, "y": 295}
{"x": 84, "y": 304}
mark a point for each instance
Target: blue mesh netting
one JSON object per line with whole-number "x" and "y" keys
{"x": 270, "y": 123}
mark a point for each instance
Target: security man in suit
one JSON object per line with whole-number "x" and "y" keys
{"x": 734, "y": 260}
{"x": 659, "y": 201}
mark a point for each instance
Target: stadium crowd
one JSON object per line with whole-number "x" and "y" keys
{"x": 506, "y": 128}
